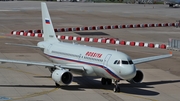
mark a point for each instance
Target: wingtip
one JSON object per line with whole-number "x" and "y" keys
{"x": 170, "y": 52}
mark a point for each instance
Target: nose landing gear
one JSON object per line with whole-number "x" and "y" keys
{"x": 116, "y": 88}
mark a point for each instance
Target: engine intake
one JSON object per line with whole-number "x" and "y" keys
{"x": 62, "y": 77}
{"x": 138, "y": 78}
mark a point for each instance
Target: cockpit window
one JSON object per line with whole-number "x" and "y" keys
{"x": 115, "y": 61}
{"x": 130, "y": 62}
{"x": 118, "y": 62}
{"x": 124, "y": 62}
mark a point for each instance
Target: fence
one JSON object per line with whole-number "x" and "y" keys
{"x": 174, "y": 44}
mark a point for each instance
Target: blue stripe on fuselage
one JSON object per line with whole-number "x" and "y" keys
{"x": 101, "y": 66}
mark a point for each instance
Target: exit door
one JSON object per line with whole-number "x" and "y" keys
{"x": 106, "y": 59}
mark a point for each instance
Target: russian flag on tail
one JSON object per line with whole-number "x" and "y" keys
{"x": 47, "y": 21}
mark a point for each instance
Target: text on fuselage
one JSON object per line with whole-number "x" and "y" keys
{"x": 93, "y": 54}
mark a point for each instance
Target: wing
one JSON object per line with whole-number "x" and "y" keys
{"x": 46, "y": 64}
{"x": 23, "y": 45}
{"x": 152, "y": 58}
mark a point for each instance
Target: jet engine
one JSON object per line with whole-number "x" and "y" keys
{"x": 62, "y": 77}
{"x": 138, "y": 78}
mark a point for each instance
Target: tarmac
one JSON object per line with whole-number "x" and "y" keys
{"x": 33, "y": 83}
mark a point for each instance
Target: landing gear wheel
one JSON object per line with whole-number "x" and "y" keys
{"x": 116, "y": 89}
{"x": 171, "y": 5}
{"x": 103, "y": 81}
{"x": 57, "y": 85}
{"x": 109, "y": 81}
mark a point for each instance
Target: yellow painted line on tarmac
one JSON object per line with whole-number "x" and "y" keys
{"x": 19, "y": 71}
{"x": 3, "y": 37}
{"x": 22, "y": 71}
{"x": 34, "y": 94}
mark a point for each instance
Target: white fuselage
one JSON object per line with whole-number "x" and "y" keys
{"x": 96, "y": 61}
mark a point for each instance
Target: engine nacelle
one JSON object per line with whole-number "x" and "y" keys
{"x": 62, "y": 77}
{"x": 138, "y": 78}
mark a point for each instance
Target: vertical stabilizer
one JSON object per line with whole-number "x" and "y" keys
{"x": 48, "y": 30}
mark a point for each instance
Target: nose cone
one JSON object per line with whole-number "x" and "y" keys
{"x": 128, "y": 72}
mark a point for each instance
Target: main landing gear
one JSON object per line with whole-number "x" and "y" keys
{"x": 105, "y": 81}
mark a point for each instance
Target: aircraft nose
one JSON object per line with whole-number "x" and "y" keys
{"x": 128, "y": 72}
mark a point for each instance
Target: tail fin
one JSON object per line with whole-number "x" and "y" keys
{"x": 48, "y": 30}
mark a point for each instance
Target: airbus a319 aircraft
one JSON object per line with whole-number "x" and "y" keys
{"x": 172, "y": 3}
{"x": 70, "y": 58}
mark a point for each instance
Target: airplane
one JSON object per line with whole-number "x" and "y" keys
{"x": 172, "y": 3}
{"x": 71, "y": 58}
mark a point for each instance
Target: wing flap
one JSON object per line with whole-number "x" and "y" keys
{"x": 152, "y": 58}
{"x": 73, "y": 67}
{"x": 23, "y": 45}
{"x": 28, "y": 63}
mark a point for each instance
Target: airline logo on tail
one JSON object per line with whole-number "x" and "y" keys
{"x": 47, "y": 21}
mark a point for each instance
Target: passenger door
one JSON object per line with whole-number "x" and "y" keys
{"x": 106, "y": 59}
